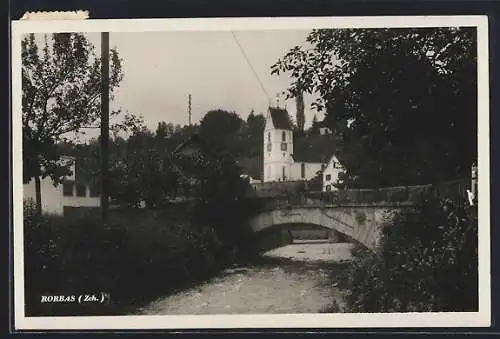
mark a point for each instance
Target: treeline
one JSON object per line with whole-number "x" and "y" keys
{"x": 402, "y": 102}
{"x": 145, "y": 167}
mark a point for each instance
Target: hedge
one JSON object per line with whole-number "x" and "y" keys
{"x": 427, "y": 262}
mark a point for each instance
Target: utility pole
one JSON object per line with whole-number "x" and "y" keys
{"x": 189, "y": 109}
{"x": 104, "y": 126}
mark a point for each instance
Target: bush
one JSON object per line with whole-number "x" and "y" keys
{"x": 41, "y": 271}
{"x": 147, "y": 255}
{"x": 426, "y": 262}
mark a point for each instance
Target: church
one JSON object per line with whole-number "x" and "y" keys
{"x": 286, "y": 160}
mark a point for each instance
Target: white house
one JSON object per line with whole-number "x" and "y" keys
{"x": 281, "y": 161}
{"x": 324, "y": 130}
{"x": 331, "y": 173}
{"x": 75, "y": 191}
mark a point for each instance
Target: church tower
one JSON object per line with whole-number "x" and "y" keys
{"x": 278, "y": 145}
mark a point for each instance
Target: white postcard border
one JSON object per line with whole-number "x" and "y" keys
{"x": 357, "y": 320}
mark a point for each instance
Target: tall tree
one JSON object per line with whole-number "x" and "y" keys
{"x": 61, "y": 94}
{"x": 403, "y": 102}
{"x": 162, "y": 130}
{"x": 256, "y": 123}
{"x": 166, "y": 130}
{"x": 301, "y": 119}
{"x": 255, "y": 129}
{"x": 220, "y": 129}
{"x": 314, "y": 130}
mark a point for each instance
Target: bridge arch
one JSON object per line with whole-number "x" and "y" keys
{"x": 359, "y": 223}
{"x": 305, "y": 231}
{"x": 283, "y": 234}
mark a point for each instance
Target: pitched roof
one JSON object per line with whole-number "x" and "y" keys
{"x": 194, "y": 141}
{"x": 280, "y": 118}
{"x": 251, "y": 166}
{"x": 315, "y": 148}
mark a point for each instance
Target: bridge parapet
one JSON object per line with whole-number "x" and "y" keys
{"x": 363, "y": 196}
{"x": 394, "y": 196}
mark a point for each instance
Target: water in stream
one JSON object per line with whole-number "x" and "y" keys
{"x": 296, "y": 278}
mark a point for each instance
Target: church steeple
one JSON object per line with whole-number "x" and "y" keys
{"x": 278, "y": 145}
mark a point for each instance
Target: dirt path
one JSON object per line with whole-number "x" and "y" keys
{"x": 290, "y": 279}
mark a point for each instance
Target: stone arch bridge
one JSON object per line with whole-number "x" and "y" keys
{"x": 359, "y": 222}
{"x": 357, "y": 214}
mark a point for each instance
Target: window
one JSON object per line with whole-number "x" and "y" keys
{"x": 283, "y": 136}
{"x": 328, "y": 177}
{"x": 302, "y": 170}
{"x": 269, "y": 136}
{"x": 68, "y": 188}
{"x": 334, "y": 164}
{"x": 328, "y": 188}
{"x": 283, "y": 173}
{"x": 269, "y": 147}
{"x": 283, "y": 146}
{"x": 94, "y": 191}
{"x": 81, "y": 190}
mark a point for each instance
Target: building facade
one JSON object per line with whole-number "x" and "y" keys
{"x": 284, "y": 163}
{"x": 331, "y": 173}
{"x": 278, "y": 146}
{"x": 73, "y": 192}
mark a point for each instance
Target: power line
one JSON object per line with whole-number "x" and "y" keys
{"x": 251, "y": 67}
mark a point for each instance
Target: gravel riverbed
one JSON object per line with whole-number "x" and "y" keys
{"x": 291, "y": 279}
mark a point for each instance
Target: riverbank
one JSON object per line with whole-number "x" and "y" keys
{"x": 298, "y": 278}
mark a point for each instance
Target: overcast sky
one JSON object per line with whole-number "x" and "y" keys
{"x": 162, "y": 68}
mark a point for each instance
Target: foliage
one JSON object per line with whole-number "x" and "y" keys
{"x": 219, "y": 190}
{"x": 253, "y": 134}
{"x": 229, "y": 135}
{"x": 61, "y": 93}
{"x": 401, "y": 101}
{"x": 314, "y": 130}
{"x": 134, "y": 262}
{"x": 223, "y": 206}
{"x": 40, "y": 253}
{"x": 165, "y": 130}
{"x": 219, "y": 129}
{"x": 139, "y": 172}
{"x": 427, "y": 261}
{"x": 300, "y": 116}
{"x": 148, "y": 168}
{"x": 144, "y": 168}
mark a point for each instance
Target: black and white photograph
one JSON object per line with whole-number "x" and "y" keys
{"x": 251, "y": 172}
